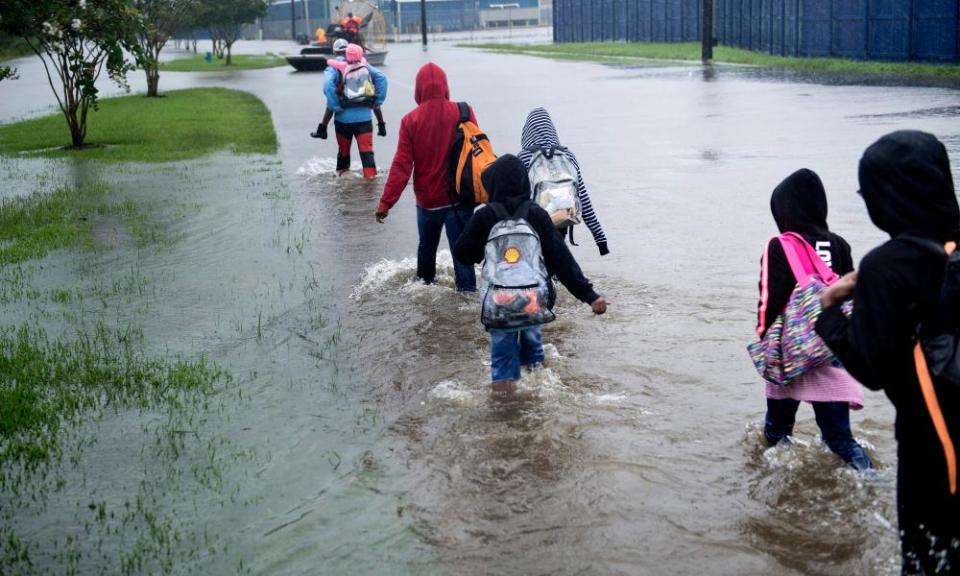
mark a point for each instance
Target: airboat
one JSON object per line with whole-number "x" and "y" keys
{"x": 369, "y": 30}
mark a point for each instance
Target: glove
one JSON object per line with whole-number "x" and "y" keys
{"x": 381, "y": 128}
{"x": 603, "y": 248}
{"x": 321, "y": 132}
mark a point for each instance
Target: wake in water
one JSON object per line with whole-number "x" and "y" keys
{"x": 388, "y": 276}
{"x": 318, "y": 168}
{"x": 813, "y": 502}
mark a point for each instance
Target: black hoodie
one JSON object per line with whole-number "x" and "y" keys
{"x": 906, "y": 183}
{"x": 506, "y": 182}
{"x": 798, "y": 204}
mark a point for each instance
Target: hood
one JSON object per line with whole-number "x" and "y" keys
{"x": 506, "y": 181}
{"x": 799, "y": 204}
{"x": 431, "y": 84}
{"x": 539, "y": 131}
{"x": 906, "y": 183}
{"x": 354, "y": 53}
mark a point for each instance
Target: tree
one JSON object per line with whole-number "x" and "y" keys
{"x": 224, "y": 19}
{"x": 76, "y": 40}
{"x": 161, "y": 19}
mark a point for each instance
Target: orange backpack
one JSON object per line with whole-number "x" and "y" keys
{"x": 470, "y": 155}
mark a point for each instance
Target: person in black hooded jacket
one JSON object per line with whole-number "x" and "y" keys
{"x": 507, "y": 183}
{"x": 799, "y": 205}
{"x": 906, "y": 183}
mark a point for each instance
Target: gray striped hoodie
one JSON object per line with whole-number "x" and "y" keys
{"x": 539, "y": 132}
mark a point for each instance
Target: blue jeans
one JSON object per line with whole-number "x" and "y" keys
{"x": 833, "y": 418}
{"x": 430, "y": 223}
{"x": 510, "y": 349}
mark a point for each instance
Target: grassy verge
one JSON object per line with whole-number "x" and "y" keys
{"x": 181, "y": 125}
{"x": 197, "y": 63}
{"x": 619, "y": 52}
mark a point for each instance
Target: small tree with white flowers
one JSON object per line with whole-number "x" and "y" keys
{"x": 77, "y": 40}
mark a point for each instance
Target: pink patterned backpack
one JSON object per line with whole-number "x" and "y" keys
{"x": 791, "y": 346}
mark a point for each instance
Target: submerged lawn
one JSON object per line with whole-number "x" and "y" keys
{"x": 180, "y": 125}
{"x": 620, "y": 51}
{"x": 197, "y": 63}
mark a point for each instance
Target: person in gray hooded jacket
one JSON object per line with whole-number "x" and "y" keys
{"x": 540, "y": 133}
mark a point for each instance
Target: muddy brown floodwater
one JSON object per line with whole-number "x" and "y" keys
{"x": 364, "y": 440}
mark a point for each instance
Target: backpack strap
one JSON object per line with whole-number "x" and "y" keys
{"x": 804, "y": 261}
{"x": 464, "y": 112}
{"x": 523, "y": 210}
{"x": 927, "y": 243}
{"x": 936, "y": 415}
{"x": 499, "y": 209}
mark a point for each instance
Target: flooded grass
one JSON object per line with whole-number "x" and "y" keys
{"x": 47, "y": 383}
{"x": 32, "y": 226}
{"x": 198, "y": 63}
{"x": 181, "y": 125}
{"x": 948, "y": 74}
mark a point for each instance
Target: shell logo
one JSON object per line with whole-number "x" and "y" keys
{"x": 511, "y": 255}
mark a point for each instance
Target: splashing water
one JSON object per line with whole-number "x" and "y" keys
{"x": 392, "y": 275}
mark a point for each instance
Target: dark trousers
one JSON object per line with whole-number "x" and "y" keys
{"x": 833, "y": 418}
{"x": 363, "y": 132}
{"x": 430, "y": 224}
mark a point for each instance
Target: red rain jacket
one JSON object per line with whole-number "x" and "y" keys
{"x": 426, "y": 135}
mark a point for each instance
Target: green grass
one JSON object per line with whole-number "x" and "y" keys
{"x": 34, "y": 225}
{"x": 620, "y": 52}
{"x": 197, "y": 63}
{"x": 12, "y": 47}
{"x": 46, "y": 384}
{"x": 181, "y": 125}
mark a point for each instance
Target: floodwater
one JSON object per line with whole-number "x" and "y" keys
{"x": 358, "y": 436}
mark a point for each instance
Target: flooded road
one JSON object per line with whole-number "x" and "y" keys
{"x": 358, "y": 436}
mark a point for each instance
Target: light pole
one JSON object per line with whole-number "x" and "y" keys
{"x": 423, "y": 22}
{"x": 706, "y": 48}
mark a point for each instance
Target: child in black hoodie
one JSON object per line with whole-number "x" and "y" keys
{"x": 906, "y": 183}
{"x": 799, "y": 205}
{"x": 507, "y": 183}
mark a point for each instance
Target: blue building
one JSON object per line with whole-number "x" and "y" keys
{"x": 454, "y": 15}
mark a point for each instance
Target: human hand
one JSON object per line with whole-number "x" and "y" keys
{"x": 603, "y": 248}
{"x": 599, "y": 306}
{"x": 381, "y": 216}
{"x": 381, "y": 129}
{"x": 321, "y": 132}
{"x": 840, "y": 291}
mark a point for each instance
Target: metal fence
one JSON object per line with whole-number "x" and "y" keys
{"x": 863, "y": 29}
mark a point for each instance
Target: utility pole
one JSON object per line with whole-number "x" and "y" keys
{"x": 306, "y": 16}
{"x": 423, "y": 22}
{"x": 706, "y": 49}
{"x": 293, "y": 19}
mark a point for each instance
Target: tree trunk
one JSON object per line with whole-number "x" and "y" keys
{"x": 229, "y": 54}
{"x": 77, "y": 132}
{"x": 153, "y": 81}
{"x": 152, "y": 69}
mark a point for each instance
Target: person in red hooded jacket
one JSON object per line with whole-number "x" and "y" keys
{"x": 426, "y": 135}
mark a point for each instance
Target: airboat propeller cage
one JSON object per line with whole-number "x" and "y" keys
{"x": 373, "y": 27}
